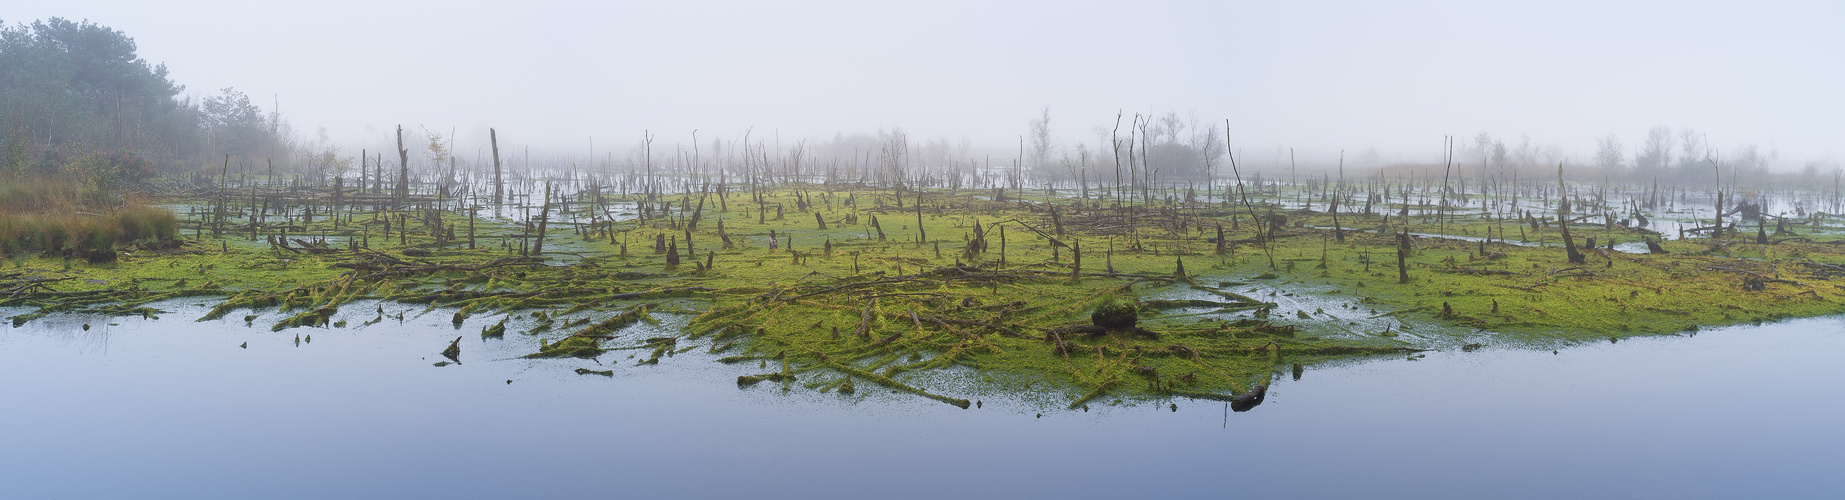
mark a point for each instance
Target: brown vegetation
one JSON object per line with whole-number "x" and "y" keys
{"x": 54, "y": 215}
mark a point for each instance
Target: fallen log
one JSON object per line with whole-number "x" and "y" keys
{"x": 663, "y": 292}
{"x": 1096, "y": 331}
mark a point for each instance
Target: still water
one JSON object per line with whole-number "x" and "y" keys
{"x": 176, "y": 409}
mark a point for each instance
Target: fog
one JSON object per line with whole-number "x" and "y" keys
{"x": 1384, "y": 80}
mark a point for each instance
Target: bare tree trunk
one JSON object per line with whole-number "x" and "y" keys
{"x": 1563, "y": 222}
{"x": 1338, "y": 232}
{"x": 1253, "y": 217}
{"x": 1402, "y": 257}
{"x": 1441, "y": 212}
{"x": 218, "y": 215}
{"x": 499, "y": 189}
{"x": 544, "y": 216}
{"x": 922, "y": 236}
{"x": 403, "y": 170}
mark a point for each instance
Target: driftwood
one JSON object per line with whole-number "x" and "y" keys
{"x": 1825, "y": 270}
{"x": 1180, "y": 304}
{"x": 1096, "y": 331}
{"x": 1759, "y": 278}
{"x": 950, "y": 273}
{"x": 436, "y": 268}
{"x": 1001, "y": 329}
{"x": 1477, "y": 272}
{"x": 660, "y": 293}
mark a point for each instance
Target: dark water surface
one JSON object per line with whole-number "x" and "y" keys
{"x": 174, "y": 409}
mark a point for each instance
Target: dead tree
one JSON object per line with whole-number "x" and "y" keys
{"x": 403, "y": 171}
{"x": 1339, "y": 192}
{"x": 544, "y": 215}
{"x": 1257, "y": 220}
{"x": 1563, "y": 222}
{"x": 1403, "y": 257}
{"x": 499, "y": 188}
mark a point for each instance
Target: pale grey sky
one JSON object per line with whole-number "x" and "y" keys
{"x": 1319, "y": 76}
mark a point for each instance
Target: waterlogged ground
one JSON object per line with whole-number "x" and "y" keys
{"x": 953, "y": 297}
{"x": 132, "y": 408}
{"x": 798, "y": 348}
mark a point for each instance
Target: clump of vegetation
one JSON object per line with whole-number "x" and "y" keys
{"x": 570, "y": 347}
{"x": 1114, "y": 313}
{"x": 58, "y": 216}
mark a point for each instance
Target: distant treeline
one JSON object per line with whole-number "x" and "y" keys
{"x": 71, "y": 90}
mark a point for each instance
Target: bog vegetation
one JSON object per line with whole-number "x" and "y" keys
{"x": 1073, "y": 293}
{"x": 945, "y": 280}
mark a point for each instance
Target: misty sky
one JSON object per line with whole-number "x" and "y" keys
{"x": 1319, "y": 77}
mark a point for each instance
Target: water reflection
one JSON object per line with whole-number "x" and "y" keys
{"x": 76, "y": 331}
{"x": 453, "y": 352}
{"x": 1248, "y": 400}
{"x": 173, "y": 409}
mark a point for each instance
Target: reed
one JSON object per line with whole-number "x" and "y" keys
{"x": 60, "y": 216}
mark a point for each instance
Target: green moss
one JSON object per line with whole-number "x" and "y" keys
{"x": 893, "y": 311}
{"x": 570, "y": 347}
{"x": 1115, "y": 313}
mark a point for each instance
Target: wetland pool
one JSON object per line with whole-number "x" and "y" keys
{"x": 174, "y": 408}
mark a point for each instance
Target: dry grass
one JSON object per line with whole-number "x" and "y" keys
{"x": 59, "y": 216}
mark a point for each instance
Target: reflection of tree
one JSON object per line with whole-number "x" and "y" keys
{"x": 83, "y": 333}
